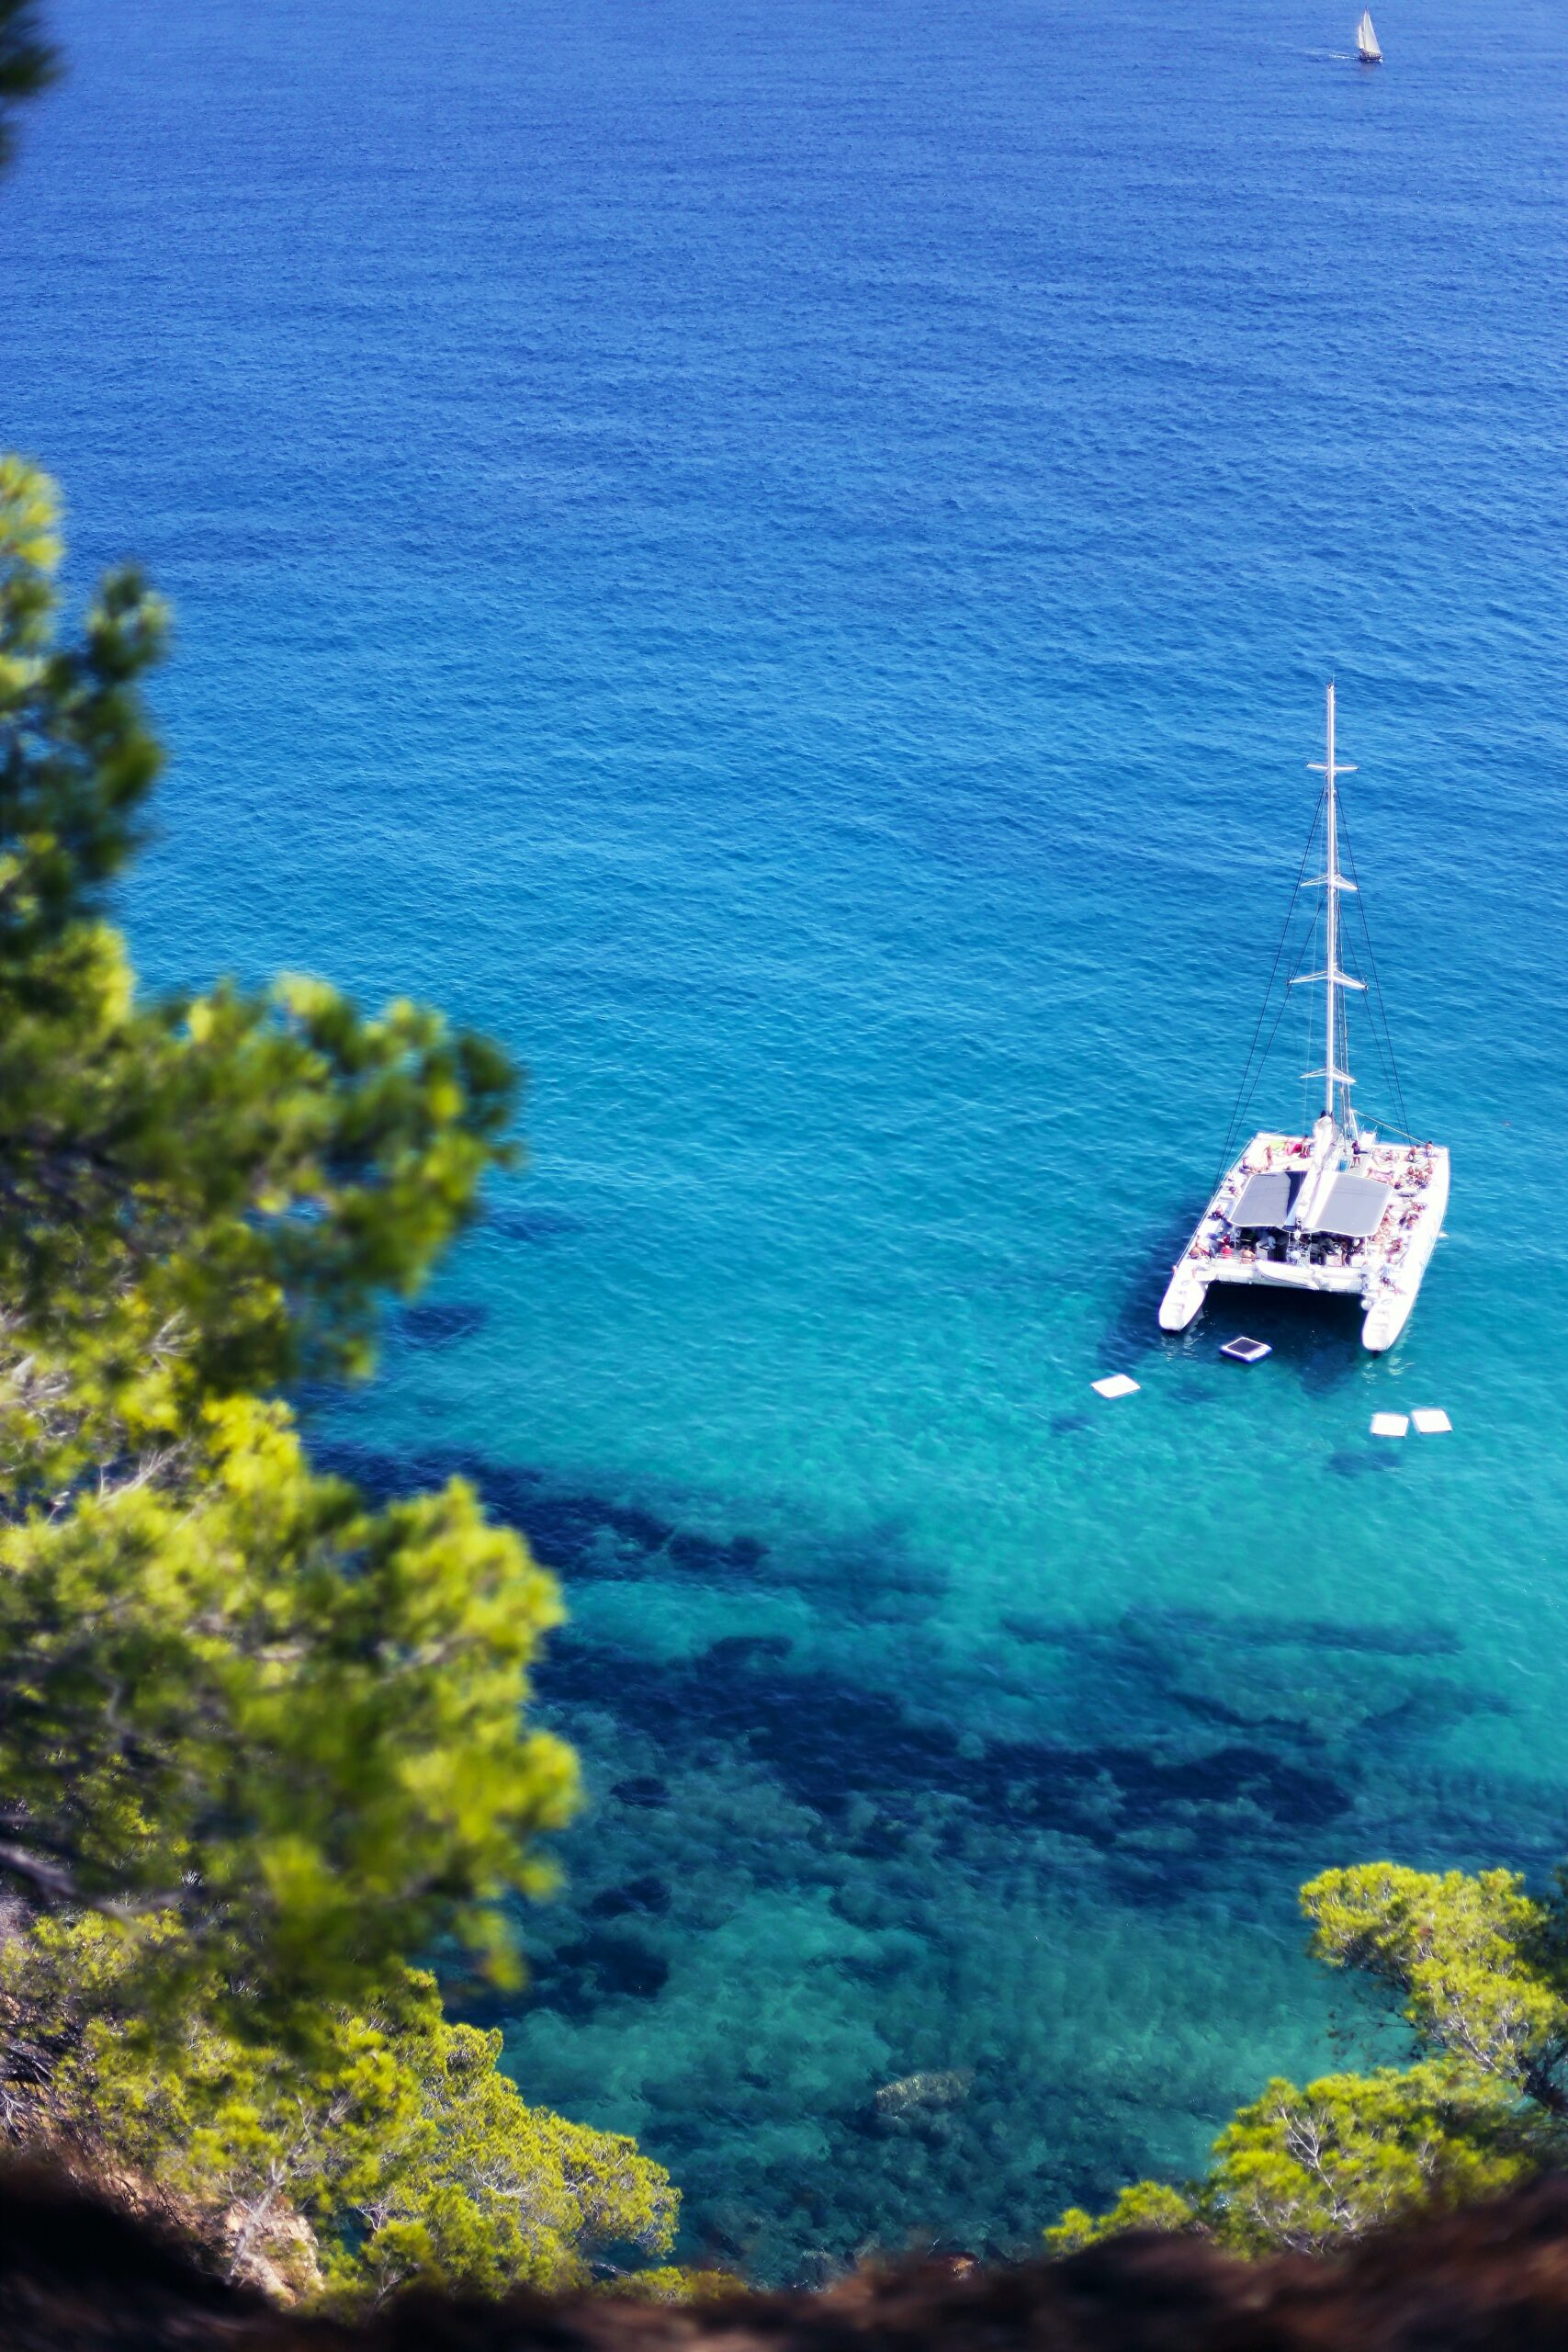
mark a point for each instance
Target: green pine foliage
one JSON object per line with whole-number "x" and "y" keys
{"x": 227, "y": 1688}
{"x": 1147, "y": 2205}
{"x": 28, "y": 63}
{"x": 259, "y": 1742}
{"x": 392, "y": 2149}
{"x": 233, "y": 1695}
{"x": 1478, "y": 1965}
{"x": 1304, "y": 2169}
{"x": 1482, "y": 1966}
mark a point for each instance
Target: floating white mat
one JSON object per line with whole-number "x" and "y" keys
{"x": 1116, "y": 1384}
{"x": 1390, "y": 1424}
{"x": 1431, "y": 1421}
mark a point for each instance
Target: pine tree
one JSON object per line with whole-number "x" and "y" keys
{"x": 1481, "y": 1969}
{"x": 259, "y": 1741}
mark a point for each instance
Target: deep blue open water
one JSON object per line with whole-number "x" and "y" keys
{"x": 783, "y": 555}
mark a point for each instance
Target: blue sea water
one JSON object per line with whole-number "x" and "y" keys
{"x": 783, "y": 559}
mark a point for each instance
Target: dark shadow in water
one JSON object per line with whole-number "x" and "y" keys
{"x": 1178, "y": 1763}
{"x": 1195, "y": 1755}
{"x": 1319, "y": 1338}
{"x": 1374, "y": 1459}
{"x": 1155, "y": 1648}
{"x": 436, "y": 1323}
{"x": 579, "y": 1535}
{"x": 608, "y": 1965}
{"x": 1156, "y": 1668}
{"x": 744, "y": 1649}
{"x": 1205, "y": 1710}
{"x": 648, "y": 1896}
{"x": 828, "y": 1743}
{"x": 1239, "y": 1629}
{"x": 1187, "y": 1393}
{"x": 643, "y": 1789}
{"x": 588, "y": 1538}
{"x": 1430, "y": 1709}
{"x": 1152, "y": 1689}
{"x": 532, "y": 1225}
{"x": 1020, "y": 1626}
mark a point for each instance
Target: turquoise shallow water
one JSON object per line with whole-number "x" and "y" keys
{"x": 785, "y": 559}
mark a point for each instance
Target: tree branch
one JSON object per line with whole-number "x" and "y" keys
{"x": 56, "y": 1884}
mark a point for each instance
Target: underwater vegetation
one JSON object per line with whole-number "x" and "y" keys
{"x": 858, "y": 1967}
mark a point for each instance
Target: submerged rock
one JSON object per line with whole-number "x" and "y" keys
{"x": 949, "y": 2087}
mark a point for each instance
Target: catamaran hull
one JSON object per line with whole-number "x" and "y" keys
{"x": 1389, "y": 1311}
{"x": 1387, "y": 1293}
{"x": 1182, "y": 1300}
{"x": 1386, "y": 1318}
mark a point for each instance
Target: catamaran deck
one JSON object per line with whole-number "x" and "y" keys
{"x": 1353, "y": 1217}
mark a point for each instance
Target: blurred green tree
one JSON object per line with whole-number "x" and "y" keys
{"x": 257, "y": 1740}
{"x": 1479, "y": 1965}
{"x": 28, "y": 63}
{"x": 228, "y": 1689}
{"x": 394, "y": 2151}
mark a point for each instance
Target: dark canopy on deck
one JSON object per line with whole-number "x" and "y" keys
{"x": 1268, "y": 1200}
{"x": 1354, "y": 1208}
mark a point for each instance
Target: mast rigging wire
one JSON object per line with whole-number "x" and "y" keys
{"x": 1243, "y": 1092}
{"x": 1378, "y": 1027}
{"x": 1383, "y": 1035}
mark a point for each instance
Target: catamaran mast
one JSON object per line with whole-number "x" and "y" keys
{"x": 1331, "y": 916}
{"x": 1337, "y": 1107}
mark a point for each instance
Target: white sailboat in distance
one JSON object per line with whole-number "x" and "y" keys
{"x": 1341, "y": 1210}
{"x": 1367, "y": 41}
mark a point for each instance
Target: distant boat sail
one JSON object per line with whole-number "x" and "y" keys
{"x": 1367, "y": 41}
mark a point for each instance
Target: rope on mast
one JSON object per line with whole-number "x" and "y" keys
{"x": 1381, "y": 1034}
{"x": 1244, "y": 1091}
{"x": 1339, "y": 1056}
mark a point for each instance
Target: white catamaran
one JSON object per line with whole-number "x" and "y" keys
{"x": 1339, "y": 1210}
{"x": 1367, "y": 41}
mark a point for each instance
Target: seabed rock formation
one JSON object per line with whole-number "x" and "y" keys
{"x": 79, "y": 2275}
{"x": 827, "y": 1857}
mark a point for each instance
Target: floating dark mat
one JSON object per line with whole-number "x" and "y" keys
{"x": 1247, "y": 1351}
